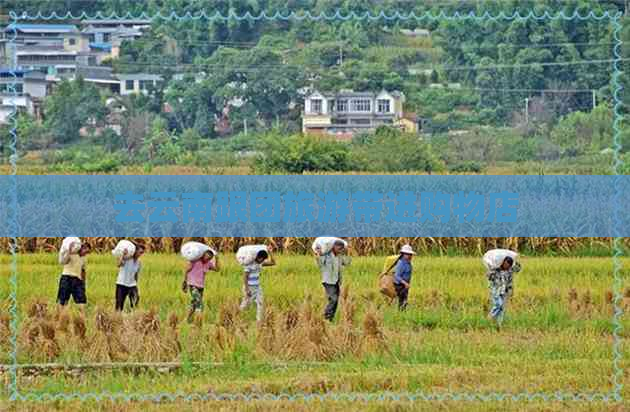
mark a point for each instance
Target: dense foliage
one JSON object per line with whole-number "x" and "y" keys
{"x": 468, "y": 81}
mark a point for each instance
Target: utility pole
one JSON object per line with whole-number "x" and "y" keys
{"x": 527, "y": 110}
{"x": 245, "y": 126}
{"x": 594, "y": 99}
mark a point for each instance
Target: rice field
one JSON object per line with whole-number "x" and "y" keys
{"x": 557, "y": 334}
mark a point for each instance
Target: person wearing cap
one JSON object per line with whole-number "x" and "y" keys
{"x": 331, "y": 265}
{"x": 500, "y": 285}
{"x": 402, "y": 276}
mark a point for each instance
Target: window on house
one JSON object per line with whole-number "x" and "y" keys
{"x": 383, "y": 106}
{"x": 331, "y": 105}
{"x": 145, "y": 84}
{"x": 106, "y": 37}
{"x": 72, "y": 42}
{"x": 316, "y": 106}
{"x": 92, "y": 38}
{"x": 342, "y": 105}
{"x": 92, "y": 61}
{"x": 361, "y": 121}
{"x": 12, "y": 88}
{"x": 361, "y": 105}
{"x": 129, "y": 84}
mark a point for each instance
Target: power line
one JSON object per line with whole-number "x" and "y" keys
{"x": 515, "y": 66}
{"x": 463, "y": 46}
{"x": 262, "y": 67}
{"x": 483, "y": 89}
{"x": 537, "y": 45}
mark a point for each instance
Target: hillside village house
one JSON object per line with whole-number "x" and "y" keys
{"x": 40, "y": 55}
{"x": 347, "y": 112}
{"x": 137, "y": 82}
{"x": 22, "y": 91}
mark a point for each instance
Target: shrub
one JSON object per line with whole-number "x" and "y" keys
{"x": 85, "y": 159}
{"x": 301, "y": 153}
{"x": 389, "y": 150}
{"x": 580, "y": 133}
{"x": 466, "y": 167}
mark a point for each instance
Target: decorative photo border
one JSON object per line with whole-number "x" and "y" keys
{"x": 613, "y": 396}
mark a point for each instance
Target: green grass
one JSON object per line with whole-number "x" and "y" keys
{"x": 442, "y": 343}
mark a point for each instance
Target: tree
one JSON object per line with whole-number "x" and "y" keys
{"x": 157, "y": 137}
{"x": 580, "y": 132}
{"x": 73, "y": 105}
{"x": 256, "y": 76}
{"x": 434, "y": 77}
{"x": 193, "y": 105}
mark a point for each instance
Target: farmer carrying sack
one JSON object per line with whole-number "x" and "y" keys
{"x": 192, "y": 251}
{"x": 385, "y": 279}
{"x": 122, "y": 246}
{"x": 325, "y": 244}
{"x": 247, "y": 254}
{"x": 495, "y": 257}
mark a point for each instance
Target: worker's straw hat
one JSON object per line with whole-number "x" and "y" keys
{"x": 407, "y": 250}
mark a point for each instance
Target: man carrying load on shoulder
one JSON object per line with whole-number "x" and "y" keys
{"x": 500, "y": 281}
{"x": 402, "y": 276}
{"x": 252, "y": 290}
{"x": 331, "y": 265}
{"x": 72, "y": 281}
{"x": 195, "y": 279}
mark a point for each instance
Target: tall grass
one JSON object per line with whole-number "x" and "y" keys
{"x": 449, "y": 294}
{"x": 430, "y": 246}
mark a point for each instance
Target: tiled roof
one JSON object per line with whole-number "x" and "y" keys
{"x": 350, "y": 93}
{"x": 139, "y": 76}
{"x": 96, "y": 73}
{"x": 48, "y": 28}
{"x": 117, "y": 21}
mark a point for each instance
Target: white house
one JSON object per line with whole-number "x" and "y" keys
{"x": 137, "y": 82}
{"x": 347, "y": 112}
{"x": 22, "y": 91}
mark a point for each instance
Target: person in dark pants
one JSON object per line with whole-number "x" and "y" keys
{"x": 402, "y": 276}
{"x": 127, "y": 281}
{"x": 331, "y": 265}
{"x": 72, "y": 281}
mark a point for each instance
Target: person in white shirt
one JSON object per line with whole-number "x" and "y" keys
{"x": 127, "y": 281}
{"x": 252, "y": 291}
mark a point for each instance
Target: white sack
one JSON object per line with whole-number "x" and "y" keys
{"x": 194, "y": 250}
{"x": 122, "y": 246}
{"x": 325, "y": 244}
{"x": 69, "y": 245}
{"x": 247, "y": 254}
{"x": 495, "y": 257}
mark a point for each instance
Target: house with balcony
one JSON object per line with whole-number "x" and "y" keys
{"x": 44, "y": 35}
{"x": 345, "y": 113}
{"x": 49, "y": 48}
{"x": 105, "y": 36}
